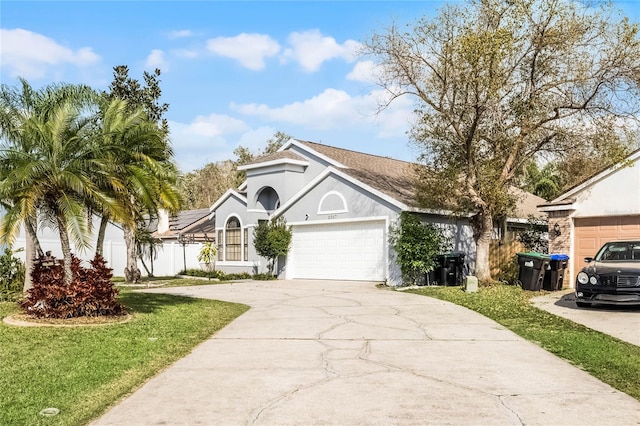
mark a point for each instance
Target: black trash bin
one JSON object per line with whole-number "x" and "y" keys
{"x": 553, "y": 279}
{"x": 533, "y": 267}
{"x": 450, "y": 269}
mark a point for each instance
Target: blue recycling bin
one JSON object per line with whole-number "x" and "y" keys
{"x": 554, "y": 276}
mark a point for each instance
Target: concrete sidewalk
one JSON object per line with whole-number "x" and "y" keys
{"x": 345, "y": 353}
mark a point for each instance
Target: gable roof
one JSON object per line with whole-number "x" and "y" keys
{"x": 394, "y": 178}
{"x": 281, "y": 157}
{"x": 565, "y": 201}
{"x": 240, "y": 196}
{"x": 386, "y": 177}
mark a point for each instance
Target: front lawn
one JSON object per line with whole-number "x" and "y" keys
{"x": 610, "y": 360}
{"x": 169, "y": 282}
{"x": 83, "y": 371}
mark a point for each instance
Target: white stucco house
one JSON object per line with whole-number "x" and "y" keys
{"x": 340, "y": 204}
{"x": 605, "y": 207}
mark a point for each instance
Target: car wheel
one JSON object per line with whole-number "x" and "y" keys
{"x": 583, "y": 304}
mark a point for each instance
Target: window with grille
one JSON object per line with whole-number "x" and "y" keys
{"x": 246, "y": 243}
{"x": 232, "y": 239}
{"x": 220, "y": 248}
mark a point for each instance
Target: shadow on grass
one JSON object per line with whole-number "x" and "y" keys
{"x": 148, "y": 303}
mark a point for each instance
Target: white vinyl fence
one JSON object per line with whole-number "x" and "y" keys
{"x": 170, "y": 260}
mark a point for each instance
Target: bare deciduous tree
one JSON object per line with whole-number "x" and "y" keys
{"x": 499, "y": 81}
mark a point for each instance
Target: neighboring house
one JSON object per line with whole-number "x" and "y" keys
{"x": 340, "y": 204}
{"x": 192, "y": 225}
{"x": 603, "y": 208}
{"x": 183, "y": 232}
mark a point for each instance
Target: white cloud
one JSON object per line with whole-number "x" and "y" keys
{"x": 322, "y": 111}
{"x": 32, "y": 55}
{"x": 156, "y": 59}
{"x": 256, "y": 139}
{"x": 206, "y": 139}
{"x": 364, "y": 71}
{"x": 332, "y": 115}
{"x": 179, "y": 34}
{"x": 310, "y": 49}
{"x": 335, "y": 109}
{"x": 250, "y": 50}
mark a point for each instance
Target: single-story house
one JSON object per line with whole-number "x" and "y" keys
{"x": 340, "y": 204}
{"x": 605, "y": 207}
{"x": 192, "y": 226}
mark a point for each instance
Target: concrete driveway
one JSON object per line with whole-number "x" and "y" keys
{"x": 620, "y": 322}
{"x": 346, "y": 353}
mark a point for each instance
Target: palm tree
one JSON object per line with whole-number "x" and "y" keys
{"x": 141, "y": 175}
{"x": 49, "y": 162}
{"x": 147, "y": 246}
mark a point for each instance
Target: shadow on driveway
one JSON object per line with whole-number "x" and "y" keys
{"x": 622, "y": 322}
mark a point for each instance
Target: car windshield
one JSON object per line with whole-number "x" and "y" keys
{"x": 619, "y": 251}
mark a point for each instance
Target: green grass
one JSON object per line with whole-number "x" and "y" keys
{"x": 83, "y": 371}
{"x": 172, "y": 282}
{"x": 609, "y": 359}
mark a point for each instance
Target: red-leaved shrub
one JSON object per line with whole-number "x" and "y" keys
{"x": 90, "y": 294}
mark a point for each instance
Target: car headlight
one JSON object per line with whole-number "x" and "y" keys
{"x": 593, "y": 280}
{"x": 583, "y": 278}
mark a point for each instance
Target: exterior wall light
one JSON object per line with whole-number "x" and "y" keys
{"x": 556, "y": 229}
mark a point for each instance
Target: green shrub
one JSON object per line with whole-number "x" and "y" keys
{"x": 417, "y": 245}
{"x": 509, "y": 272}
{"x": 264, "y": 277}
{"x": 272, "y": 238}
{"x": 11, "y": 276}
{"x": 207, "y": 253}
{"x": 216, "y": 274}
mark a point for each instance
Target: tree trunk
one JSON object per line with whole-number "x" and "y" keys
{"x": 144, "y": 265}
{"x": 483, "y": 225}
{"x": 131, "y": 271}
{"x": 32, "y": 250}
{"x": 66, "y": 250}
{"x": 104, "y": 221}
{"x": 31, "y": 232}
{"x": 28, "y": 262}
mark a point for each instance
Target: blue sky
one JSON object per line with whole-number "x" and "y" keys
{"x": 233, "y": 72}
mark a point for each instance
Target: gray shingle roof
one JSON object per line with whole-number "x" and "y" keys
{"x": 185, "y": 218}
{"x": 277, "y": 156}
{"x": 397, "y": 178}
{"x": 188, "y": 221}
{"x": 392, "y": 177}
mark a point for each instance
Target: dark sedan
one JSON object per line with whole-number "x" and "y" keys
{"x": 612, "y": 277}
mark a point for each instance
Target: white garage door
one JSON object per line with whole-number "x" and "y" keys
{"x": 338, "y": 251}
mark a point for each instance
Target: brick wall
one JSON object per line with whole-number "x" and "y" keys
{"x": 560, "y": 244}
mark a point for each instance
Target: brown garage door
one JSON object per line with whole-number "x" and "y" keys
{"x": 591, "y": 233}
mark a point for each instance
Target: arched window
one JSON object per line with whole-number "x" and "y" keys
{"x": 268, "y": 199}
{"x": 232, "y": 239}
